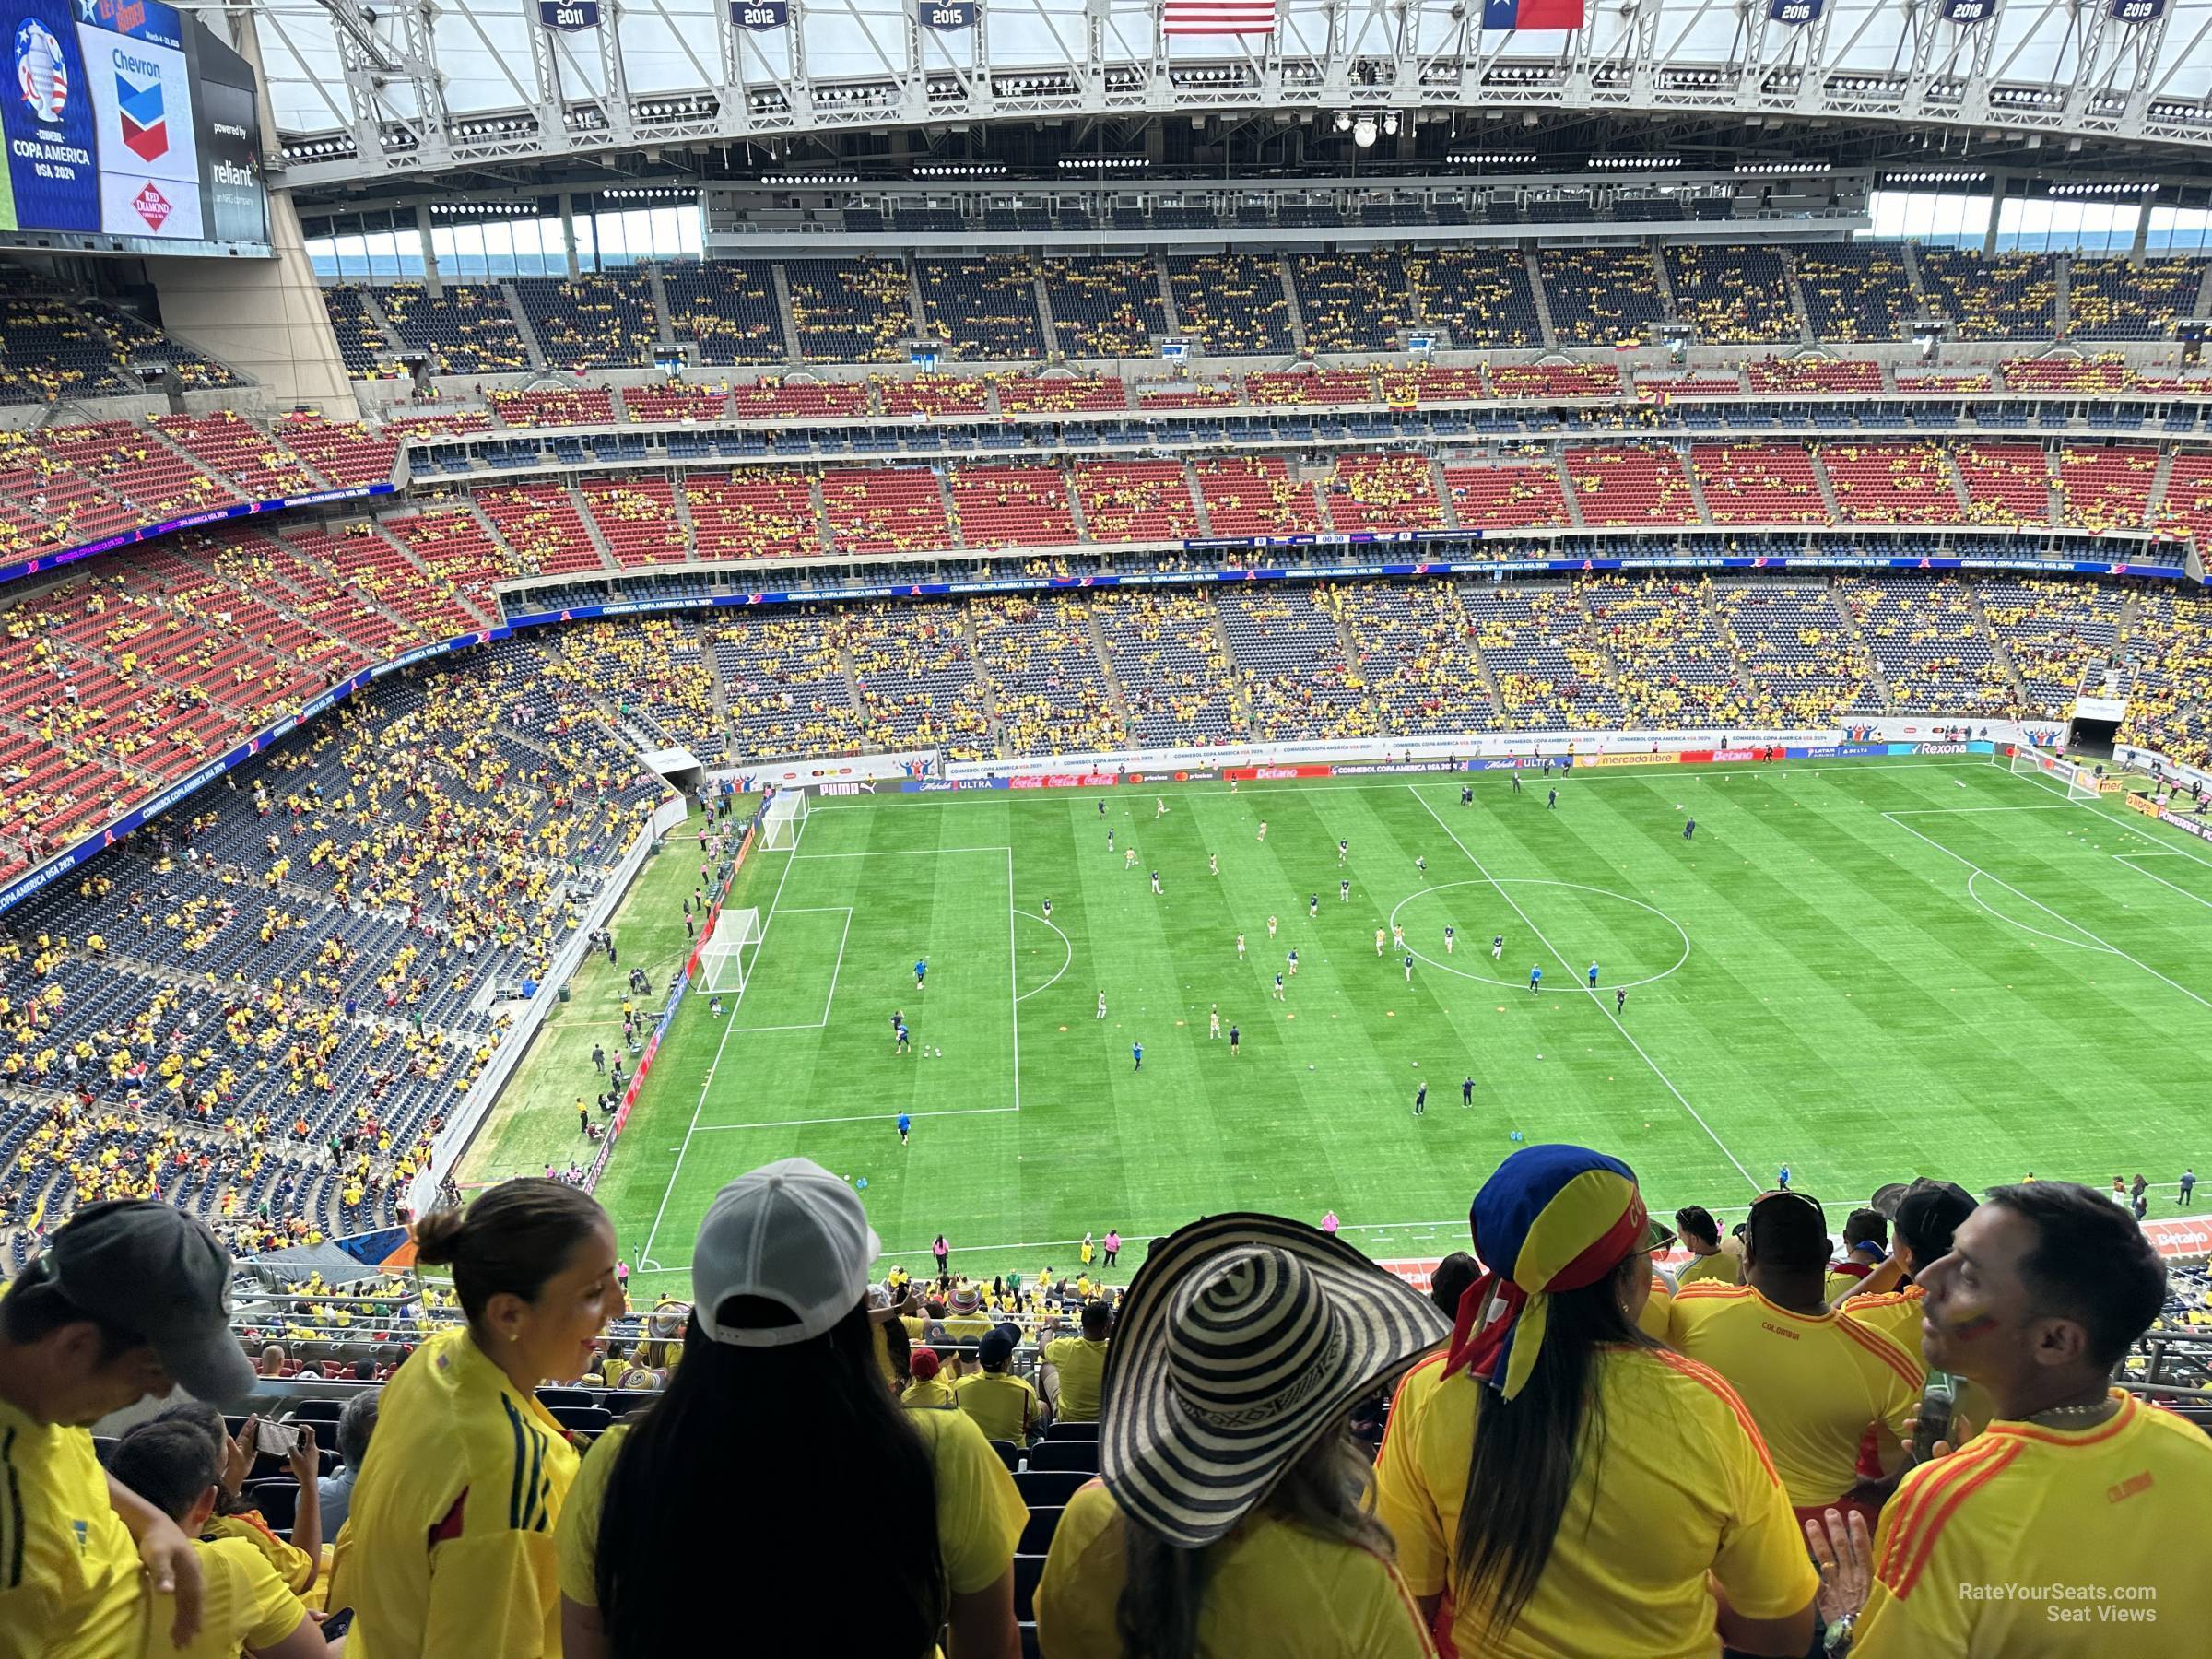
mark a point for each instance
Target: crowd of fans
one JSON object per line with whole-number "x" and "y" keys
{"x": 1803, "y": 1437}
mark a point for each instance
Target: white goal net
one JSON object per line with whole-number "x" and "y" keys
{"x": 2079, "y": 782}
{"x": 726, "y": 960}
{"x": 786, "y": 816}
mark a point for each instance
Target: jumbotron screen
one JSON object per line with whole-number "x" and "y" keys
{"x": 129, "y": 130}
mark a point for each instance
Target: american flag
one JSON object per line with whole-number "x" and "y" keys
{"x": 1218, "y": 16}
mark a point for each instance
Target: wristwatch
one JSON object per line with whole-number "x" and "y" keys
{"x": 1838, "y": 1639}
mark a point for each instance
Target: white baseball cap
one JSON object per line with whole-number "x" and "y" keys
{"x": 790, "y": 1233}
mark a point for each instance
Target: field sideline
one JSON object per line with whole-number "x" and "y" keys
{"x": 1864, "y": 970}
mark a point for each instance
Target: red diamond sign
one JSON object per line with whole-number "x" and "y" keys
{"x": 153, "y": 206}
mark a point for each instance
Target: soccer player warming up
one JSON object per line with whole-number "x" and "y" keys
{"x": 1102, "y": 1005}
{"x": 1377, "y": 941}
{"x": 1535, "y": 979}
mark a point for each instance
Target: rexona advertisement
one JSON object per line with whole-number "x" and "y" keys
{"x": 128, "y": 128}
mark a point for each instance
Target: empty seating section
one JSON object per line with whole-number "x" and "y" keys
{"x": 1384, "y": 492}
{"x": 601, "y": 320}
{"x": 2054, "y": 632}
{"x": 1758, "y": 484}
{"x": 761, "y": 512}
{"x": 1926, "y": 636}
{"x": 1630, "y": 483}
{"x": 1232, "y": 304}
{"x": 2099, "y": 375}
{"x": 1013, "y": 507}
{"x": 885, "y": 510}
{"x": 653, "y": 670}
{"x": 784, "y": 685}
{"x": 850, "y": 310}
{"x": 1856, "y": 291}
{"x": 468, "y": 329}
{"x": 916, "y": 677}
{"x": 1602, "y": 296}
{"x": 933, "y": 395}
{"x": 1254, "y": 495}
{"x": 1049, "y": 692}
{"x": 982, "y": 308}
{"x": 1358, "y": 301}
{"x": 1309, "y": 386}
{"x": 345, "y": 452}
{"x": 1731, "y": 296}
{"x": 1792, "y": 639}
{"x": 138, "y": 344}
{"x": 2106, "y": 487}
{"x": 2000, "y": 297}
{"x": 310, "y": 591}
{"x": 362, "y": 340}
{"x": 799, "y": 400}
{"x": 1891, "y": 484}
{"x": 1135, "y": 500}
{"x": 1061, "y": 394}
{"x": 452, "y": 545}
{"x": 2112, "y": 299}
{"x": 1672, "y": 659}
{"x": 2169, "y": 644}
{"x": 2185, "y": 510}
{"x": 1823, "y": 376}
{"x": 674, "y": 404}
{"x": 367, "y": 561}
{"x": 1538, "y": 646}
{"x": 136, "y": 465}
{"x": 1479, "y": 297}
{"x": 1105, "y": 308}
{"x": 1166, "y": 650}
{"x": 637, "y": 517}
{"x": 728, "y": 309}
{"x": 566, "y": 405}
{"x": 49, "y": 350}
{"x": 2006, "y": 483}
{"x": 541, "y": 524}
{"x": 1555, "y": 380}
{"x": 234, "y": 448}
{"x": 1412, "y": 655}
{"x": 1507, "y": 494}
{"x": 1289, "y": 659}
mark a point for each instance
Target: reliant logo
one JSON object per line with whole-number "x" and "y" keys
{"x": 138, "y": 108}
{"x": 152, "y": 207}
{"x": 227, "y": 172}
{"x": 41, "y": 72}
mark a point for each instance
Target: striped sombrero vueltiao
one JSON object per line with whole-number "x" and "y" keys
{"x": 1242, "y": 1338}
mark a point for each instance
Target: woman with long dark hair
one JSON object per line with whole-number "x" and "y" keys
{"x": 449, "y": 1545}
{"x": 777, "y": 1493}
{"x": 1236, "y": 1515}
{"x": 1577, "y": 1488}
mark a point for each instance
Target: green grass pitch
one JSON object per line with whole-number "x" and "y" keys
{"x": 1865, "y": 970}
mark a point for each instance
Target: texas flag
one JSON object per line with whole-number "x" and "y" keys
{"x": 1531, "y": 14}
{"x": 139, "y": 111}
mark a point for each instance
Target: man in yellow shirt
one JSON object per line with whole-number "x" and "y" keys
{"x": 928, "y": 1391}
{"x": 1867, "y": 1246}
{"x": 2077, "y": 1492}
{"x": 1078, "y": 1365}
{"x": 1928, "y": 1215}
{"x": 1812, "y": 1380}
{"x": 964, "y": 1319}
{"x": 1711, "y": 1257}
{"x": 1004, "y": 1407}
{"x": 126, "y": 1302}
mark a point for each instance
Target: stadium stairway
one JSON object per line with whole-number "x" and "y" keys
{"x": 1868, "y": 666}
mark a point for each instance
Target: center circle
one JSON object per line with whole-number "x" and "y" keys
{"x": 1501, "y": 916}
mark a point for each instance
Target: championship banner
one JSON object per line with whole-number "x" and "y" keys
{"x": 1795, "y": 12}
{"x": 1965, "y": 12}
{"x": 2135, "y": 11}
{"x": 568, "y": 16}
{"x": 945, "y": 15}
{"x": 760, "y": 14}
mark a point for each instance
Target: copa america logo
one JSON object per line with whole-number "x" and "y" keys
{"x": 41, "y": 72}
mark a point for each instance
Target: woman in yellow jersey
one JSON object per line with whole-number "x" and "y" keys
{"x": 1235, "y": 1517}
{"x": 449, "y": 1545}
{"x": 1575, "y": 1486}
{"x": 779, "y": 1396}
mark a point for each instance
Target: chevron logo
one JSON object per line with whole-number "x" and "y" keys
{"x": 144, "y": 118}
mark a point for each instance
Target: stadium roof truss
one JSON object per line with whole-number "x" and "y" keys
{"x": 417, "y": 86}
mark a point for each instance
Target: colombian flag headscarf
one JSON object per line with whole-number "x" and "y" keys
{"x": 1550, "y": 1219}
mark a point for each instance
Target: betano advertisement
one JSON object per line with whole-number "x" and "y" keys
{"x": 128, "y": 130}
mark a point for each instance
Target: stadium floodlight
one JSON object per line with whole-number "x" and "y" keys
{"x": 1390, "y": 124}
{"x": 726, "y": 960}
{"x": 786, "y": 817}
{"x": 1344, "y": 121}
{"x": 1363, "y": 131}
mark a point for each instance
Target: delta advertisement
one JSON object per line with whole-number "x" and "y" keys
{"x": 128, "y": 127}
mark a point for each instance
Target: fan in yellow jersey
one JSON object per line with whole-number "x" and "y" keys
{"x": 1928, "y": 1214}
{"x": 173, "y": 1465}
{"x": 781, "y": 1397}
{"x": 450, "y": 1539}
{"x": 1812, "y": 1379}
{"x": 1231, "y": 1520}
{"x": 2073, "y": 1525}
{"x": 1078, "y": 1364}
{"x": 126, "y": 1302}
{"x": 1004, "y": 1407}
{"x": 1619, "y": 1548}
{"x": 1711, "y": 1255}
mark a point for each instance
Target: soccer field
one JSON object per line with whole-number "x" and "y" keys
{"x": 1864, "y": 970}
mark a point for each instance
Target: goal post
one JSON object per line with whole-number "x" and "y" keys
{"x": 726, "y": 960}
{"x": 2080, "y": 783}
{"x": 782, "y": 821}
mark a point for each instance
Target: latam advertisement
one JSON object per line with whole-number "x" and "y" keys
{"x": 126, "y": 125}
